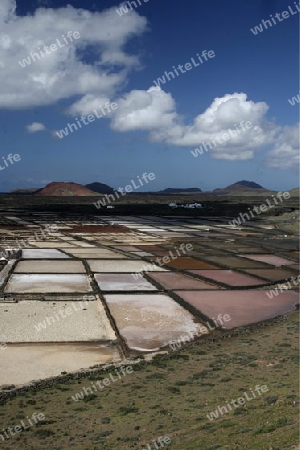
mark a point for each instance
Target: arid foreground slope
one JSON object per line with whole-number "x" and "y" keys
{"x": 172, "y": 396}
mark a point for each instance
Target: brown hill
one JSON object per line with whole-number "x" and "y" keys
{"x": 241, "y": 186}
{"x": 59, "y": 189}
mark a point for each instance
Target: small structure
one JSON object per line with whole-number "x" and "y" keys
{"x": 187, "y": 205}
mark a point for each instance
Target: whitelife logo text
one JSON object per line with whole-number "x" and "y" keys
{"x": 47, "y": 50}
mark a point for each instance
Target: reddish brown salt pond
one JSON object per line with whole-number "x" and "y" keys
{"x": 234, "y": 262}
{"x": 229, "y": 277}
{"x": 272, "y": 274}
{"x": 295, "y": 267}
{"x": 269, "y": 259}
{"x": 244, "y": 307}
{"x": 190, "y": 263}
{"x": 178, "y": 281}
{"x": 127, "y": 248}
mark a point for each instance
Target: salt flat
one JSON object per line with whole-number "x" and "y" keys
{"x": 123, "y": 282}
{"x": 148, "y": 322}
{"x": 122, "y": 266}
{"x": 60, "y": 321}
{"x": 26, "y": 362}
{"x": 46, "y": 283}
{"x": 32, "y": 253}
{"x": 40, "y": 292}
{"x": 49, "y": 267}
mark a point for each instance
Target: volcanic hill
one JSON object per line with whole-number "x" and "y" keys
{"x": 240, "y": 186}
{"x": 60, "y": 189}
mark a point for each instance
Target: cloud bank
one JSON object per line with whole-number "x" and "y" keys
{"x": 94, "y": 69}
{"x": 65, "y": 72}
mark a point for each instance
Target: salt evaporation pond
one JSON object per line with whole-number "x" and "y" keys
{"x": 123, "y": 282}
{"x": 148, "y": 322}
{"x": 26, "y": 362}
{"x": 244, "y": 307}
{"x": 229, "y": 277}
{"x": 178, "y": 281}
{"x": 35, "y": 283}
{"x": 122, "y": 266}
{"x": 55, "y": 321}
{"x": 36, "y": 253}
{"x": 269, "y": 259}
{"x": 50, "y": 267}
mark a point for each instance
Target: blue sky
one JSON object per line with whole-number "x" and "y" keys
{"x": 116, "y": 59}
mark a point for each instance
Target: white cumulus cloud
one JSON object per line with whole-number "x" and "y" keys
{"x": 36, "y": 126}
{"x": 155, "y": 110}
{"x": 144, "y": 110}
{"x": 87, "y": 104}
{"x": 94, "y": 69}
{"x": 65, "y": 72}
{"x": 285, "y": 154}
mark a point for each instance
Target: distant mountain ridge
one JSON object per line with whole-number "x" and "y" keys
{"x": 179, "y": 190}
{"x": 58, "y": 189}
{"x": 24, "y": 191}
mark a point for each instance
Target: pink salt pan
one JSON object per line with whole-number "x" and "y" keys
{"x": 229, "y": 277}
{"x": 244, "y": 307}
{"x": 185, "y": 263}
{"x": 272, "y": 274}
{"x": 178, "y": 281}
{"x": 269, "y": 259}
